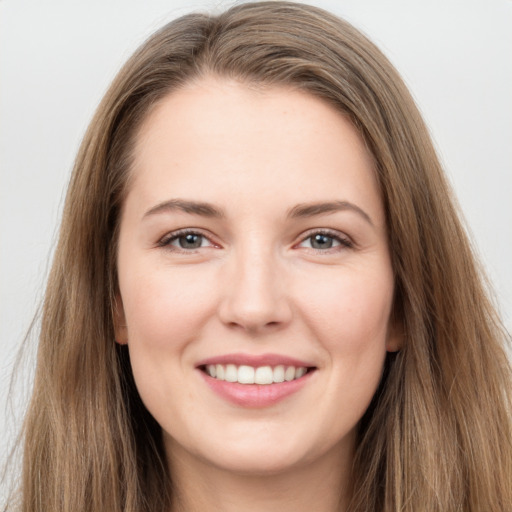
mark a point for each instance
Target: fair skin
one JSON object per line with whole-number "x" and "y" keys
{"x": 283, "y": 264}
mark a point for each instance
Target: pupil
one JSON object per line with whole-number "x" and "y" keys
{"x": 190, "y": 241}
{"x": 322, "y": 242}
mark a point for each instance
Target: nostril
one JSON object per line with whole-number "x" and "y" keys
{"x": 254, "y": 302}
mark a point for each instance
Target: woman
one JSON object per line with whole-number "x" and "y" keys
{"x": 258, "y": 219}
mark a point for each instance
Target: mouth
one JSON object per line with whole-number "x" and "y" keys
{"x": 256, "y": 381}
{"x": 262, "y": 375}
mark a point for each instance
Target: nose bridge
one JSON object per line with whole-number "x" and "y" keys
{"x": 255, "y": 297}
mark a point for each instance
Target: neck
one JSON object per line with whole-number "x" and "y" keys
{"x": 321, "y": 485}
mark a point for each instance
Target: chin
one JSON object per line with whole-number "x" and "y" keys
{"x": 242, "y": 451}
{"x": 263, "y": 451}
{"x": 258, "y": 462}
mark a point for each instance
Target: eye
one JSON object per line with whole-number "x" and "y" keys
{"x": 185, "y": 240}
{"x": 323, "y": 241}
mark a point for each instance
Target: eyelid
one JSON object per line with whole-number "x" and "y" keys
{"x": 165, "y": 241}
{"x": 345, "y": 241}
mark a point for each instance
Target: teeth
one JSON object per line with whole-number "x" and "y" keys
{"x": 231, "y": 374}
{"x": 289, "y": 374}
{"x": 261, "y": 375}
{"x": 300, "y": 372}
{"x": 246, "y": 375}
{"x": 278, "y": 374}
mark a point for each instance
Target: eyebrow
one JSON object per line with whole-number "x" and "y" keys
{"x": 299, "y": 211}
{"x": 313, "y": 209}
{"x": 193, "y": 207}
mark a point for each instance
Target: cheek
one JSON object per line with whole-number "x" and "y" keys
{"x": 164, "y": 312}
{"x": 164, "y": 308}
{"x": 348, "y": 318}
{"x": 350, "y": 312}
{"x": 356, "y": 339}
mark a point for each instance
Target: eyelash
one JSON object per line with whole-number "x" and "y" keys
{"x": 344, "y": 242}
{"x": 166, "y": 241}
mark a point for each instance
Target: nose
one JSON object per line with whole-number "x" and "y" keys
{"x": 254, "y": 297}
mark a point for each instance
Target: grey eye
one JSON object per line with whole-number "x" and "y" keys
{"x": 321, "y": 241}
{"x": 190, "y": 241}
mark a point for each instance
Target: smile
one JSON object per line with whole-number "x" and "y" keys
{"x": 264, "y": 375}
{"x": 255, "y": 381}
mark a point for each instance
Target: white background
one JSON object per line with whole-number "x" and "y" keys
{"x": 58, "y": 57}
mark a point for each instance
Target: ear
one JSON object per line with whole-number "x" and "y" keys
{"x": 395, "y": 336}
{"x": 120, "y": 329}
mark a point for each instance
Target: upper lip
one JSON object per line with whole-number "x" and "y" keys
{"x": 239, "y": 359}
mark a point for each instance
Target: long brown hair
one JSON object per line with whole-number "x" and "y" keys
{"x": 438, "y": 434}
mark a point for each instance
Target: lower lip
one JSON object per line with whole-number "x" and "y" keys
{"x": 255, "y": 395}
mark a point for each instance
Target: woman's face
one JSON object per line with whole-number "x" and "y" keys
{"x": 255, "y": 278}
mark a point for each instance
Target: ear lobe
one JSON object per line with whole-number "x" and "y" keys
{"x": 120, "y": 329}
{"x": 395, "y": 337}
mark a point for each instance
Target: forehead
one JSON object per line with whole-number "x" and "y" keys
{"x": 220, "y": 140}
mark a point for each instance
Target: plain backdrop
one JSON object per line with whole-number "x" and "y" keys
{"x": 58, "y": 57}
